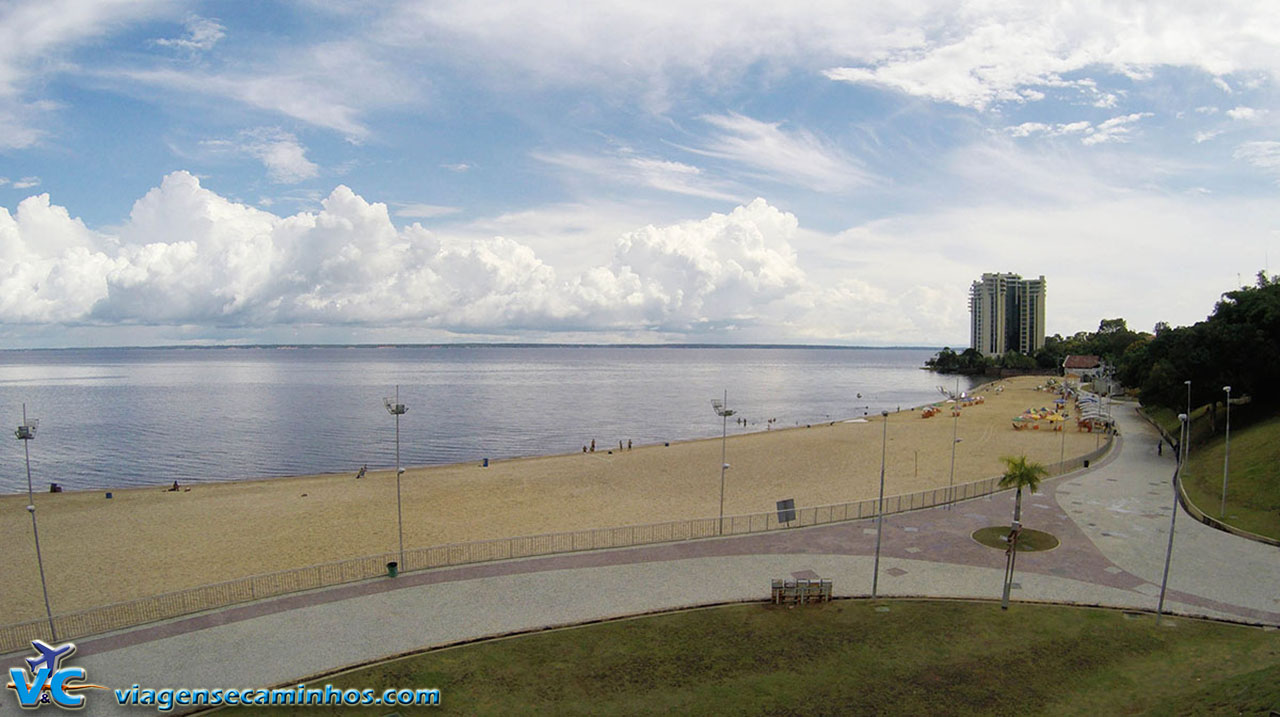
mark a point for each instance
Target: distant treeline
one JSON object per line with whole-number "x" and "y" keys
{"x": 1109, "y": 342}
{"x": 1238, "y": 345}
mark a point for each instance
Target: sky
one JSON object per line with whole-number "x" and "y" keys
{"x": 180, "y": 172}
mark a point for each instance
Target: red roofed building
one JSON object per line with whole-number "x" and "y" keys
{"x": 1086, "y": 366}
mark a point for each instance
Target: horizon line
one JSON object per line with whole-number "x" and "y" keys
{"x": 471, "y": 344}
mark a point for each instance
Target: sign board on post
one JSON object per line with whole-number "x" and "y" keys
{"x": 786, "y": 510}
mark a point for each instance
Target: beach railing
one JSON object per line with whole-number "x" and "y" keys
{"x": 99, "y": 620}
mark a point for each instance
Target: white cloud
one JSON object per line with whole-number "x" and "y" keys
{"x": 188, "y": 256}
{"x": 1206, "y": 135}
{"x": 626, "y": 167}
{"x": 36, "y": 36}
{"x": 1222, "y": 85}
{"x": 26, "y": 183}
{"x": 795, "y": 156}
{"x": 457, "y": 167}
{"x": 979, "y": 58}
{"x": 1263, "y": 155}
{"x": 202, "y": 34}
{"x": 279, "y": 151}
{"x": 329, "y": 85}
{"x": 424, "y": 211}
{"x": 1245, "y": 113}
{"x": 1113, "y": 130}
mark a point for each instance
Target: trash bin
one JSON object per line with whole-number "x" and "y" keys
{"x": 393, "y": 569}
{"x": 108, "y": 495}
{"x": 486, "y": 463}
{"x": 1086, "y": 463}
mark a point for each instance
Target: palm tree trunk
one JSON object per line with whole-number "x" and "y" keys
{"x": 1017, "y": 506}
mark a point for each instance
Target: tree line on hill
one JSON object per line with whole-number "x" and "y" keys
{"x": 1238, "y": 345}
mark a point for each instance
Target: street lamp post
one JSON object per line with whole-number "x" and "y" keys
{"x": 1168, "y": 555}
{"x": 1186, "y": 449}
{"x": 398, "y": 409}
{"x": 1062, "y": 451}
{"x": 722, "y": 410}
{"x": 26, "y": 433}
{"x": 955, "y": 426}
{"x": 1226, "y": 456}
{"x": 884, "y": 437}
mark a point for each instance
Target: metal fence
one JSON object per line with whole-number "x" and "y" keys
{"x": 219, "y": 595}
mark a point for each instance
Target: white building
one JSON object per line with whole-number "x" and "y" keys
{"x": 1006, "y": 314}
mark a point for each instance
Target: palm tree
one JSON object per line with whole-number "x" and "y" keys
{"x": 1021, "y": 473}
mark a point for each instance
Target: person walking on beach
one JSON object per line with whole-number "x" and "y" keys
{"x": 628, "y": 444}
{"x": 593, "y": 445}
{"x": 363, "y": 469}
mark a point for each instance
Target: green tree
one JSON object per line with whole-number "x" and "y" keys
{"x": 1021, "y": 473}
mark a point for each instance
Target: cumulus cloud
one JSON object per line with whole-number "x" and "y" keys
{"x": 189, "y": 256}
{"x": 722, "y": 271}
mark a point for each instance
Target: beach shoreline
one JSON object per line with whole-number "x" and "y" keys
{"x": 149, "y": 540}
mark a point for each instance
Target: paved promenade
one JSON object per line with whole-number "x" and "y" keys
{"x": 1112, "y": 520}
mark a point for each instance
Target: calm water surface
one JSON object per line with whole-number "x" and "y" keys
{"x": 127, "y": 417}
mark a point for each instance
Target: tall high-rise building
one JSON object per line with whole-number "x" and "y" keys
{"x": 1006, "y": 314}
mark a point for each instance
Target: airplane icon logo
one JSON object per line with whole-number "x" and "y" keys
{"x": 49, "y": 681}
{"x": 50, "y": 657}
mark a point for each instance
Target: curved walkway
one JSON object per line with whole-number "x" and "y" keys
{"x": 1112, "y": 520}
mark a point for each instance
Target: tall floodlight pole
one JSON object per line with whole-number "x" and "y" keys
{"x": 25, "y": 433}
{"x": 398, "y": 409}
{"x": 955, "y": 425}
{"x": 1168, "y": 555}
{"x": 1226, "y": 456}
{"x": 884, "y": 437}
{"x": 722, "y": 410}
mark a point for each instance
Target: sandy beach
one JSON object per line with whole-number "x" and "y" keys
{"x": 147, "y": 541}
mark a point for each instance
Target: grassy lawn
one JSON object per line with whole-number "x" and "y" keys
{"x": 1253, "y": 493}
{"x": 849, "y": 657}
{"x": 1029, "y": 541}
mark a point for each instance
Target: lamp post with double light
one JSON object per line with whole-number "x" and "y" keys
{"x": 27, "y": 433}
{"x": 884, "y": 438}
{"x": 398, "y": 409}
{"x": 723, "y": 411}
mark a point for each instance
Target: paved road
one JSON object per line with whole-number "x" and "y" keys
{"x": 1112, "y": 520}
